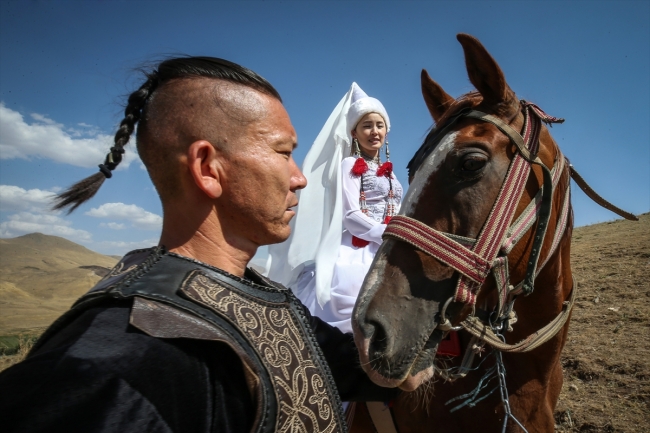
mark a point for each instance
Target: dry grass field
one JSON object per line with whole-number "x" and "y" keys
{"x": 606, "y": 360}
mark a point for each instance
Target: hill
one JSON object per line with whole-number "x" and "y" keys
{"x": 41, "y": 276}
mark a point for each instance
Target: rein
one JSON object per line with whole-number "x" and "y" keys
{"x": 475, "y": 259}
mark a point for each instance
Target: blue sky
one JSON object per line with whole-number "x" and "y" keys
{"x": 65, "y": 67}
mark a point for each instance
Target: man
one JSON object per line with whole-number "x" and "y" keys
{"x": 183, "y": 337}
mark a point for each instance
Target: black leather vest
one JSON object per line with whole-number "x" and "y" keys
{"x": 263, "y": 322}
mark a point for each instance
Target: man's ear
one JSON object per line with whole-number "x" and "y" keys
{"x": 203, "y": 163}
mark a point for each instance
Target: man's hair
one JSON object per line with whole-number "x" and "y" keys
{"x": 170, "y": 69}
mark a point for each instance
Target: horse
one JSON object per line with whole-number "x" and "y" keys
{"x": 481, "y": 247}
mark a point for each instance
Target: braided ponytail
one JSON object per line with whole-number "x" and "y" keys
{"x": 85, "y": 189}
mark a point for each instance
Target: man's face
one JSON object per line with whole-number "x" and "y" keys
{"x": 260, "y": 177}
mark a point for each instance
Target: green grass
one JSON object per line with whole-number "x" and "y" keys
{"x": 14, "y": 348}
{"x": 11, "y": 344}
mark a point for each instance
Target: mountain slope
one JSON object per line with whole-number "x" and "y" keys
{"x": 41, "y": 276}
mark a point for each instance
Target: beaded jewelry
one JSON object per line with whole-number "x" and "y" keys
{"x": 359, "y": 168}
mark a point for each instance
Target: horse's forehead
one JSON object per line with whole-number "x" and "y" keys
{"x": 428, "y": 168}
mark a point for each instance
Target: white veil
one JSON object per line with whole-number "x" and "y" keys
{"x": 317, "y": 228}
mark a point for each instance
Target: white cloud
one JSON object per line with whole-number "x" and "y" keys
{"x": 34, "y": 215}
{"x": 14, "y": 198}
{"x": 114, "y": 226}
{"x": 33, "y": 218}
{"x": 127, "y": 246}
{"x": 121, "y": 247}
{"x": 83, "y": 146}
{"x": 139, "y": 217}
{"x": 27, "y": 222}
{"x": 43, "y": 119}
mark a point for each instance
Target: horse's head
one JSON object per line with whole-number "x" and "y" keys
{"x": 453, "y": 187}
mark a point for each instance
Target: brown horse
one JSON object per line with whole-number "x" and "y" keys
{"x": 455, "y": 228}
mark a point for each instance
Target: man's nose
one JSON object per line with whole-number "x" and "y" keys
{"x": 298, "y": 180}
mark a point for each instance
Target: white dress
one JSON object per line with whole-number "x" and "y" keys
{"x": 352, "y": 263}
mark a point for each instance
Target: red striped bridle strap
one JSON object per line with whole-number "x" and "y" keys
{"x": 528, "y": 217}
{"x": 437, "y": 244}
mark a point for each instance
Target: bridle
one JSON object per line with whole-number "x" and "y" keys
{"x": 475, "y": 259}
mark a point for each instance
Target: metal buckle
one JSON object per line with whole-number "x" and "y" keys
{"x": 445, "y": 324}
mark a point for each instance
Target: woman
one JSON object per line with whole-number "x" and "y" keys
{"x": 342, "y": 213}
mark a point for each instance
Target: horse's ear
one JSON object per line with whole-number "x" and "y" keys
{"x": 484, "y": 72}
{"x": 437, "y": 100}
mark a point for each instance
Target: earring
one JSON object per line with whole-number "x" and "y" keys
{"x": 357, "y": 151}
{"x": 386, "y": 169}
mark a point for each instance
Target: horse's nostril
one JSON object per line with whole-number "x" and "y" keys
{"x": 378, "y": 340}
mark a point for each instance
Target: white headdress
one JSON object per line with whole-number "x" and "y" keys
{"x": 317, "y": 228}
{"x": 363, "y": 104}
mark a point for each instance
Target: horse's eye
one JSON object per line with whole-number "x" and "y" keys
{"x": 473, "y": 163}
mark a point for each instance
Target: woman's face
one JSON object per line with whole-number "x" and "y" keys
{"x": 371, "y": 133}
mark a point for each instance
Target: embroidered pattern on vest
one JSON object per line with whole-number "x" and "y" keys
{"x": 300, "y": 388}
